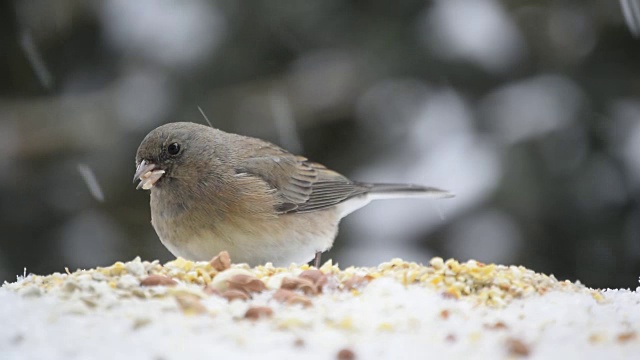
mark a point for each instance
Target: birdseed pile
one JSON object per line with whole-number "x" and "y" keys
{"x": 186, "y": 309}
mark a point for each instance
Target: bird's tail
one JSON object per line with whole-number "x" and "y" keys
{"x": 369, "y": 192}
{"x": 398, "y": 191}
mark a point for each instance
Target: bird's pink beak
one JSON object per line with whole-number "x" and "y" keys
{"x": 147, "y": 174}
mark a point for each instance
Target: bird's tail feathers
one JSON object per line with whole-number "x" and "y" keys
{"x": 399, "y": 191}
{"x": 390, "y": 191}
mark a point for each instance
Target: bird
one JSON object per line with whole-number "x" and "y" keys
{"x": 214, "y": 191}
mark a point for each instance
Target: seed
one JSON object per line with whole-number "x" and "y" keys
{"x": 346, "y": 354}
{"x": 282, "y": 295}
{"x": 517, "y": 347}
{"x": 437, "y": 263}
{"x": 308, "y": 287}
{"x": 246, "y": 283}
{"x": 355, "y": 282}
{"x": 233, "y": 294}
{"x": 299, "y": 342}
{"x": 158, "y": 280}
{"x": 290, "y": 297}
{"x": 316, "y": 276}
{"x": 221, "y": 262}
{"x": 626, "y": 336}
{"x": 444, "y": 314}
{"x": 496, "y": 326}
{"x": 257, "y": 312}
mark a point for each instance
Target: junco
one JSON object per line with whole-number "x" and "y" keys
{"x": 213, "y": 191}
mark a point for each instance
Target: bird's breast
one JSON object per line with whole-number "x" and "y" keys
{"x": 190, "y": 231}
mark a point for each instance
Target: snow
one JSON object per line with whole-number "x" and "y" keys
{"x": 85, "y": 316}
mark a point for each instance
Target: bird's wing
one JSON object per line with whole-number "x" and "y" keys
{"x": 301, "y": 185}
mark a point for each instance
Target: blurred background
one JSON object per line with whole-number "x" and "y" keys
{"x": 528, "y": 110}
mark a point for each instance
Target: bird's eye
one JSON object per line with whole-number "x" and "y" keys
{"x": 173, "y": 149}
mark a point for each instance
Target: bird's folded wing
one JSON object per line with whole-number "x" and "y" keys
{"x": 301, "y": 186}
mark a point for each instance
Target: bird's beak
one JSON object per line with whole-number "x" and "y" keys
{"x": 147, "y": 174}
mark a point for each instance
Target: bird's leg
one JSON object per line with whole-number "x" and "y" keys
{"x": 316, "y": 262}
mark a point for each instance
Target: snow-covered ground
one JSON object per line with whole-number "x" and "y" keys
{"x": 398, "y": 310}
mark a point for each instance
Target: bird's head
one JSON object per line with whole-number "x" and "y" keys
{"x": 168, "y": 152}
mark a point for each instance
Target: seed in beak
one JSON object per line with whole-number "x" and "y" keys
{"x": 147, "y": 174}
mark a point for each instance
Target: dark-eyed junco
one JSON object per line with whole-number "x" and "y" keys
{"x": 213, "y": 191}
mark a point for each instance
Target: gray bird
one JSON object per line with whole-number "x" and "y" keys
{"x": 213, "y": 191}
